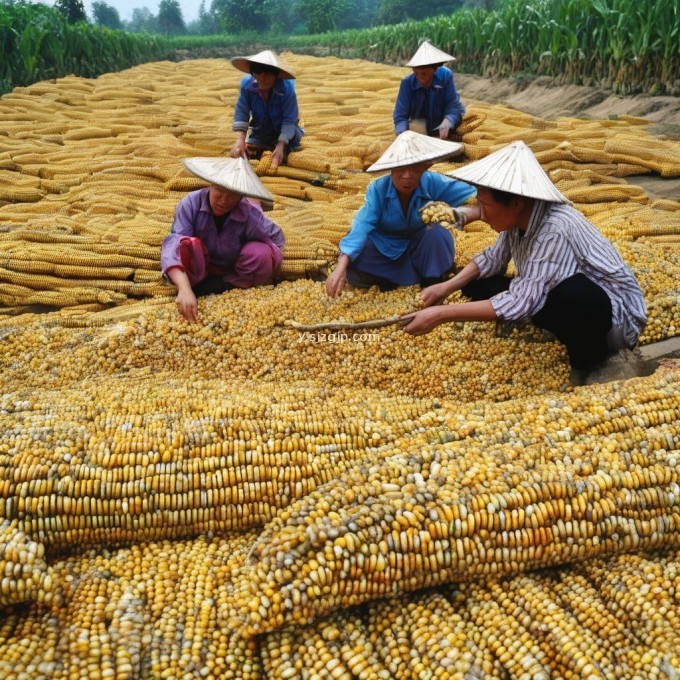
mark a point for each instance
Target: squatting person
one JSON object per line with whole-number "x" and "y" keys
{"x": 267, "y": 105}
{"x": 570, "y": 279}
{"x": 428, "y": 101}
{"x": 220, "y": 238}
{"x": 388, "y": 244}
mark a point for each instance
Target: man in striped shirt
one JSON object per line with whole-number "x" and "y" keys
{"x": 570, "y": 279}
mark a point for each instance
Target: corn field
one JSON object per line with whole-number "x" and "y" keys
{"x": 238, "y": 499}
{"x": 626, "y": 45}
{"x": 37, "y": 43}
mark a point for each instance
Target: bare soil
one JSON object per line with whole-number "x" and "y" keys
{"x": 544, "y": 98}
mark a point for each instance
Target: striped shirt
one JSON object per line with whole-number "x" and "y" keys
{"x": 558, "y": 243}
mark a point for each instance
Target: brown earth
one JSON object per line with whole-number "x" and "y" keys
{"x": 542, "y": 97}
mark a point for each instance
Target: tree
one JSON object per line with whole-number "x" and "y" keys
{"x": 284, "y": 17}
{"x": 395, "y": 11}
{"x": 360, "y": 14}
{"x": 105, "y": 15}
{"x": 206, "y": 24}
{"x": 170, "y": 19}
{"x": 237, "y": 16}
{"x": 321, "y": 16}
{"x": 142, "y": 21}
{"x": 73, "y": 10}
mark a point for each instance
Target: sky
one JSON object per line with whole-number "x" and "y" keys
{"x": 125, "y": 7}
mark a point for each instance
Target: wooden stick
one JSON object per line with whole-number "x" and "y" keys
{"x": 341, "y": 325}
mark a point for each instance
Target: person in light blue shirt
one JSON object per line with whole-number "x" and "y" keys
{"x": 428, "y": 101}
{"x": 388, "y": 244}
{"x": 267, "y": 105}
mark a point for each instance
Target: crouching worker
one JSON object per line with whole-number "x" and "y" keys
{"x": 220, "y": 239}
{"x": 267, "y": 105}
{"x": 428, "y": 101}
{"x": 570, "y": 279}
{"x": 388, "y": 244}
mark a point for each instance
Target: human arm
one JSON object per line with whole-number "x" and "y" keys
{"x": 171, "y": 261}
{"x": 453, "y": 107}
{"x": 366, "y": 219}
{"x": 239, "y": 149}
{"x": 187, "y": 304}
{"x": 454, "y": 192}
{"x": 290, "y": 113}
{"x": 242, "y": 112}
{"x": 433, "y": 295}
{"x": 337, "y": 278}
{"x": 260, "y": 228}
{"x": 423, "y": 321}
{"x": 548, "y": 259}
{"x": 182, "y": 226}
{"x": 402, "y": 107}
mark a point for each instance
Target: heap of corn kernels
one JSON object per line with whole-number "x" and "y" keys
{"x": 240, "y": 498}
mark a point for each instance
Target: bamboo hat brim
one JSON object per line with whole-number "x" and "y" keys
{"x": 410, "y": 148}
{"x": 233, "y": 174}
{"x": 513, "y": 169}
{"x": 266, "y": 57}
{"x": 428, "y": 55}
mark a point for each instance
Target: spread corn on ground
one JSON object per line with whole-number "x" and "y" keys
{"x": 397, "y": 495}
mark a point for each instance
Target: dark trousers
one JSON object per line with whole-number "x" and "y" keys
{"x": 213, "y": 284}
{"x": 577, "y": 311}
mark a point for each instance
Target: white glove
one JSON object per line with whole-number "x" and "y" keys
{"x": 444, "y": 129}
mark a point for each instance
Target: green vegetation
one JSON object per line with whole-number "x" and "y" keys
{"x": 37, "y": 42}
{"x": 628, "y": 45}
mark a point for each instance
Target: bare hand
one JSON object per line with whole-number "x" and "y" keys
{"x": 336, "y": 282}
{"x": 433, "y": 295}
{"x": 423, "y": 321}
{"x": 239, "y": 149}
{"x": 187, "y": 305}
{"x": 277, "y": 157}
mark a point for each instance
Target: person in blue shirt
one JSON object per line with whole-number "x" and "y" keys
{"x": 388, "y": 244}
{"x": 428, "y": 101}
{"x": 267, "y": 105}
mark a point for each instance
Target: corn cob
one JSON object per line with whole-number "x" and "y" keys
{"x": 425, "y": 529}
{"x": 24, "y": 576}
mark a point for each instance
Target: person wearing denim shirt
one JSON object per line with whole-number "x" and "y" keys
{"x": 428, "y": 101}
{"x": 267, "y": 106}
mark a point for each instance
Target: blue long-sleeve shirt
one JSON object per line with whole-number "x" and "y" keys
{"x": 271, "y": 120}
{"x": 382, "y": 219}
{"x": 441, "y": 100}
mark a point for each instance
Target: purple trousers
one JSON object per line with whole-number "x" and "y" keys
{"x": 254, "y": 266}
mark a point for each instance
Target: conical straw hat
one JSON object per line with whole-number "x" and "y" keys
{"x": 514, "y": 169}
{"x": 427, "y": 55}
{"x": 410, "y": 148}
{"x": 268, "y": 58}
{"x": 234, "y": 174}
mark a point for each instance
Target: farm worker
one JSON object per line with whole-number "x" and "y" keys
{"x": 267, "y": 104}
{"x": 388, "y": 244}
{"x": 428, "y": 101}
{"x": 220, "y": 239}
{"x": 570, "y": 279}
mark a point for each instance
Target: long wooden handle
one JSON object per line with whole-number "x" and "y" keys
{"x": 341, "y": 325}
